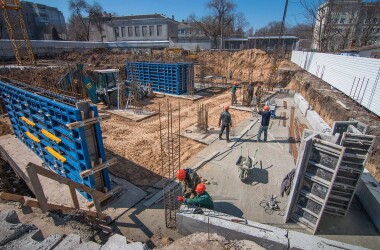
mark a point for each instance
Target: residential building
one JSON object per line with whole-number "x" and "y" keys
{"x": 154, "y": 27}
{"x": 42, "y": 22}
{"x": 340, "y": 23}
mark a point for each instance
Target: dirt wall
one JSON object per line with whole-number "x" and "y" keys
{"x": 324, "y": 100}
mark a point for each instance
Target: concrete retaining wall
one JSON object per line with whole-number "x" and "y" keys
{"x": 315, "y": 121}
{"x": 266, "y": 236}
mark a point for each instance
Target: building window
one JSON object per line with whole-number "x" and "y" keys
{"x": 116, "y": 31}
{"x": 123, "y": 31}
{"x": 159, "y": 30}
{"x": 145, "y": 30}
{"x": 137, "y": 30}
{"x": 130, "y": 31}
{"x": 151, "y": 30}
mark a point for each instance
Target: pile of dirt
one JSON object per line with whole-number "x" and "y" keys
{"x": 200, "y": 241}
{"x": 244, "y": 65}
{"x": 324, "y": 100}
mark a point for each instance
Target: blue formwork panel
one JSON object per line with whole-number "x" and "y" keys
{"x": 33, "y": 114}
{"x": 170, "y": 78}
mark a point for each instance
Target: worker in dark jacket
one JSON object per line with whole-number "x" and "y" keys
{"x": 190, "y": 181}
{"x": 235, "y": 86}
{"x": 225, "y": 122}
{"x": 203, "y": 199}
{"x": 265, "y": 119}
{"x": 250, "y": 89}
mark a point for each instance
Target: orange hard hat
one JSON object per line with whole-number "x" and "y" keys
{"x": 236, "y": 83}
{"x": 181, "y": 174}
{"x": 226, "y": 107}
{"x": 200, "y": 188}
{"x": 266, "y": 108}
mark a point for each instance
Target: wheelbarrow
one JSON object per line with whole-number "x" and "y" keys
{"x": 245, "y": 165}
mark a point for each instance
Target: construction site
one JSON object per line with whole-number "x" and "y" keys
{"x": 92, "y": 143}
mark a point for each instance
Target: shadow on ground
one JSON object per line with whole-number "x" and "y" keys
{"x": 228, "y": 208}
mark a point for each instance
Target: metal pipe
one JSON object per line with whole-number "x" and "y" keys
{"x": 361, "y": 100}
{"x": 360, "y": 90}
{"x": 352, "y": 86}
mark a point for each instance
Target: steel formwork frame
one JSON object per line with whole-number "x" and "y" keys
{"x": 41, "y": 124}
{"x": 169, "y": 78}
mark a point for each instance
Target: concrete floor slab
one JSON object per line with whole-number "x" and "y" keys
{"x": 204, "y": 138}
{"x": 241, "y": 107}
{"x": 183, "y": 96}
{"x": 129, "y": 114}
{"x": 272, "y": 163}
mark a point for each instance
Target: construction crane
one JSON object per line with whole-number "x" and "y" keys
{"x": 14, "y": 20}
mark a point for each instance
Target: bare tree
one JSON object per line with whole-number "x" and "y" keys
{"x": 272, "y": 28}
{"x": 369, "y": 22}
{"x": 83, "y": 15}
{"x": 223, "y": 21}
{"x": 249, "y": 32}
{"x": 302, "y": 30}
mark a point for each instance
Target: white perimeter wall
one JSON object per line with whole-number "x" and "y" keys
{"x": 356, "y": 77}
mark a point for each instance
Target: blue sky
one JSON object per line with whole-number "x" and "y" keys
{"x": 258, "y": 12}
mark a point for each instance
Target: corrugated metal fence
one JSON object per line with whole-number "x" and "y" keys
{"x": 357, "y": 77}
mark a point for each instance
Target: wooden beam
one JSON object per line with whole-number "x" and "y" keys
{"x": 63, "y": 180}
{"x": 99, "y": 167}
{"x": 74, "y": 197}
{"x": 31, "y": 202}
{"x": 89, "y": 121}
{"x": 37, "y": 188}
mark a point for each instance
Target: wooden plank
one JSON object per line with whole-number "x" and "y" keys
{"x": 63, "y": 180}
{"x": 99, "y": 167}
{"x": 38, "y": 191}
{"x": 89, "y": 121}
{"x": 31, "y": 202}
{"x": 74, "y": 197}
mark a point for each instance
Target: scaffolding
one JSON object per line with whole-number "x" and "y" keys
{"x": 17, "y": 31}
{"x": 170, "y": 161}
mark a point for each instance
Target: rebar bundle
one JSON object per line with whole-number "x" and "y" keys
{"x": 202, "y": 115}
{"x": 170, "y": 162}
{"x": 134, "y": 98}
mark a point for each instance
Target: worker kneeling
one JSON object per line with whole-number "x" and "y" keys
{"x": 203, "y": 199}
{"x": 190, "y": 181}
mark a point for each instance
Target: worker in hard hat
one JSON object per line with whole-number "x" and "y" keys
{"x": 235, "y": 86}
{"x": 190, "y": 180}
{"x": 265, "y": 119}
{"x": 203, "y": 199}
{"x": 225, "y": 122}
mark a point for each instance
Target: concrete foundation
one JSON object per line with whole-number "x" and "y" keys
{"x": 213, "y": 222}
{"x": 129, "y": 114}
{"x": 368, "y": 191}
{"x": 266, "y": 236}
{"x": 205, "y": 138}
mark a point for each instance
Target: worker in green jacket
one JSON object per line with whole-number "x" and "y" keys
{"x": 235, "y": 86}
{"x": 203, "y": 199}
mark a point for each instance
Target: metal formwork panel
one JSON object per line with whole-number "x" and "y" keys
{"x": 39, "y": 119}
{"x": 316, "y": 173}
{"x": 358, "y": 148}
{"x": 170, "y": 78}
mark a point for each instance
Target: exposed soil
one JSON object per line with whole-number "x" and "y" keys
{"x": 140, "y": 143}
{"x": 323, "y": 99}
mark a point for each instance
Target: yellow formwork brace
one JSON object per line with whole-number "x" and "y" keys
{"x": 27, "y": 121}
{"x": 56, "y": 154}
{"x": 31, "y": 136}
{"x": 50, "y": 136}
